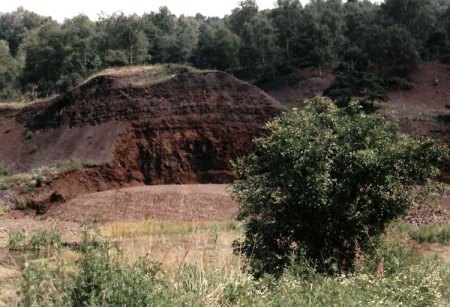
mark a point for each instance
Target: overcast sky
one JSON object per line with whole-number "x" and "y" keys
{"x": 61, "y": 9}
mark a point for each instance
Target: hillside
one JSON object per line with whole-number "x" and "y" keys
{"x": 166, "y": 124}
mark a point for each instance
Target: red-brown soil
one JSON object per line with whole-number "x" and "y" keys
{"x": 182, "y": 130}
{"x": 179, "y": 203}
{"x": 425, "y": 109}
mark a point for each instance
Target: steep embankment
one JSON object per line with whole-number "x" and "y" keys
{"x": 184, "y": 128}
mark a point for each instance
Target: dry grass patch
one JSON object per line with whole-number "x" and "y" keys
{"x": 206, "y": 245}
{"x": 154, "y": 227}
{"x": 147, "y": 74}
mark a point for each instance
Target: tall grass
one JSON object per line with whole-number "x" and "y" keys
{"x": 431, "y": 234}
{"x": 38, "y": 239}
{"x": 154, "y": 227}
{"x": 103, "y": 277}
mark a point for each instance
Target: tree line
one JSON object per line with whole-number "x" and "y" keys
{"x": 364, "y": 40}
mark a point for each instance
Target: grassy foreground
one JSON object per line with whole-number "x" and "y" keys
{"x": 149, "y": 264}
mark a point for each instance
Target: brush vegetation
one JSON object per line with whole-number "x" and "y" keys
{"x": 324, "y": 183}
{"x": 394, "y": 274}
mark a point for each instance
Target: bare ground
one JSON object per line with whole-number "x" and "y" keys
{"x": 184, "y": 203}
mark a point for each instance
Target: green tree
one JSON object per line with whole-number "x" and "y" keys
{"x": 126, "y": 33}
{"x": 45, "y": 55}
{"x": 116, "y": 58}
{"x": 357, "y": 16}
{"x": 353, "y": 80}
{"x": 258, "y": 48}
{"x": 286, "y": 17}
{"x": 323, "y": 182}
{"x": 330, "y": 14}
{"x": 9, "y": 72}
{"x": 218, "y": 47}
{"x": 391, "y": 46}
{"x": 416, "y": 16}
{"x": 15, "y": 25}
{"x": 246, "y": 10}
{"x": 160, "y": 28}
{"x": 315, "y": 42}
{"x": 82, "y": 57}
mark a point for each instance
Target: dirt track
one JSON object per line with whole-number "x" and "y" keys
{"x": 210, "y": 202}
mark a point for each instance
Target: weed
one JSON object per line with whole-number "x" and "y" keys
{"x": 16, "y": 240}
{"x": 44, "y": 239}
{"x": 431, "y": 234}
{"x": 39, "y": 239}
{"x": 3, "y": 172}
{"x": 3, "y": 208}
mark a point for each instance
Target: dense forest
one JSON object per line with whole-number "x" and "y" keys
{"x": 370, "y": 46}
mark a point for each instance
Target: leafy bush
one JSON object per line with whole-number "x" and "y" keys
{"x": 325, "y": 181}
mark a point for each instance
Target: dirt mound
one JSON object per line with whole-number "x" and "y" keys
{"x": 185, "y": 203}
{"x": 184, "y": 129}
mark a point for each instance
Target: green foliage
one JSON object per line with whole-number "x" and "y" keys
{"x": 218, "y": 47}
{"x": 116, "y": 58}
{"x": 398, "y": 83}
{"x": 14, "y": 27}
{"x": 324, "y": 181}
{"x": 34, "y": 178}
{"x": 101, "y": 278}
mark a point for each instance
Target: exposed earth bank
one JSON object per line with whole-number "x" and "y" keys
{"x": 134, "y": 131}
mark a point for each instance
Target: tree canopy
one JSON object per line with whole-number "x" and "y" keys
{"x": 394, "y": 35}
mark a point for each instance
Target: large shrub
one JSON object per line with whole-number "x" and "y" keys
{"x": 324, "y": 183}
